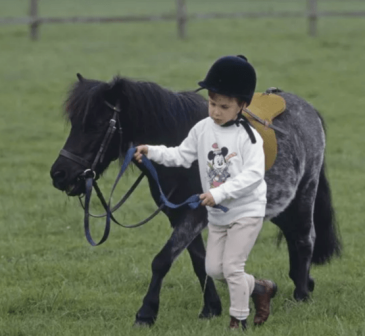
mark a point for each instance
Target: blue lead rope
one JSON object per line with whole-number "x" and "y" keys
{"x": 193, "y": 201}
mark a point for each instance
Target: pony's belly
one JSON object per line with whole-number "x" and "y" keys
{"x": 279, "y": 195}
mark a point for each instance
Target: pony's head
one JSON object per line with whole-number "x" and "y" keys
{"x": 89, "y": 108}
{"x": 148, "y": 114}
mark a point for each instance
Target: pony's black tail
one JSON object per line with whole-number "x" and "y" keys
{"x": 327, "y": 242}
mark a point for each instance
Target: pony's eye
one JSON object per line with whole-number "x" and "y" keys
{"x": 95, "y": 127}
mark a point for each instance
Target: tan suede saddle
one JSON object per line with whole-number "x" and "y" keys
{"x": 264, "y": 108}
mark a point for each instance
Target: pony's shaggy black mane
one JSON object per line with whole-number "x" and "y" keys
{"x": 153, "y": 114}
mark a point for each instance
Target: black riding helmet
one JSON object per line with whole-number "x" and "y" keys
{"x": 231, "y": 76}
{"x": 234, "y": 77}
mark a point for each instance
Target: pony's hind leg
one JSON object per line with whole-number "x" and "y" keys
{"x": 187, "y": 226}
{"x": 297, "y": 224}
{"x": 212, "y": 304}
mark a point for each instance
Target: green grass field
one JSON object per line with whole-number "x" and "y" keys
{"x": 52, "y": 282}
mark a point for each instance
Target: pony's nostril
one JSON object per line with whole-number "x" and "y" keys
{"x": 59, "y": 175}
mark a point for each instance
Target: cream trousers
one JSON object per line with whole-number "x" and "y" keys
{"x": 228, "y": 248}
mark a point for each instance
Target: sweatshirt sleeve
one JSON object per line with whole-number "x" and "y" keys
{"x": 252, "y": 174}
{"x": 183, "y": 155}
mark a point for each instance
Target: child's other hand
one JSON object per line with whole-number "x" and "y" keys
{"x": 207, "y": 199}
{"x": 140, "y": 150}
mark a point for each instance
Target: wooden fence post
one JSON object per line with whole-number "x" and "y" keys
{"x": 33, "y": 13}
{"x": 312, "y": 10}
{"x": 181, "y": 16}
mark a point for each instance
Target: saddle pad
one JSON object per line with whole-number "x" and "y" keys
{"x": 267, "y": 107}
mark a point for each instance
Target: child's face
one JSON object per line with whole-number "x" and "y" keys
{"x": 223, "y": 109}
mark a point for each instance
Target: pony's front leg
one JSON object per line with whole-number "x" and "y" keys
{"x": 187, "y": 226}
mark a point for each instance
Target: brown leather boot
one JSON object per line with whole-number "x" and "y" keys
{"x": 235, "y": 324}
{"x": 262, "y": 294}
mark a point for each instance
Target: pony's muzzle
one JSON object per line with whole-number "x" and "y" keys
{"x": 59, "y": 178}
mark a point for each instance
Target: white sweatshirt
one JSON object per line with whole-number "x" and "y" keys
{"x": 231, "y": 168}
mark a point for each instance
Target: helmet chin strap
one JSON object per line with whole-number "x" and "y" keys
{"x": 242, "y": 120}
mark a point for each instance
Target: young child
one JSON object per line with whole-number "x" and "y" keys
{"x": 232, "y": 167}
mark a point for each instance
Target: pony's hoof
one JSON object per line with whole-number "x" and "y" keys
{"x": 301, "y": 296}
{"x": 144, "y": 321}
{"x": 209, "y": 312}
{"x": 311, "y": 284}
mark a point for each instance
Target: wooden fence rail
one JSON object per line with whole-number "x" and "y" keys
{"x": 312, "y": 14}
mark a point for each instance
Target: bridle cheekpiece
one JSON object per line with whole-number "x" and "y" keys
{"x": 90, "y": 168}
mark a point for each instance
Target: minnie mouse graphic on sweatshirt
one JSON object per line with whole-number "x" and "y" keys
{"x": 218, "y": 164}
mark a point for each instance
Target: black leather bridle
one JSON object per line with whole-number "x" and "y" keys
{"x": 90, "y": 168}
{"x": 89, "y": 175}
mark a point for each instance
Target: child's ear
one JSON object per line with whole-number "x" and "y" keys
{"x": 242, "y": 105}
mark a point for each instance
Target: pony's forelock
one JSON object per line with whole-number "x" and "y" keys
{"x": 82, "y": 99}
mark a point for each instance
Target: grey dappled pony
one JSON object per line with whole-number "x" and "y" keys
{"x": 299, "y": 198}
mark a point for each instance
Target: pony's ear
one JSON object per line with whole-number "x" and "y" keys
{"x": 79, "y": 77}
